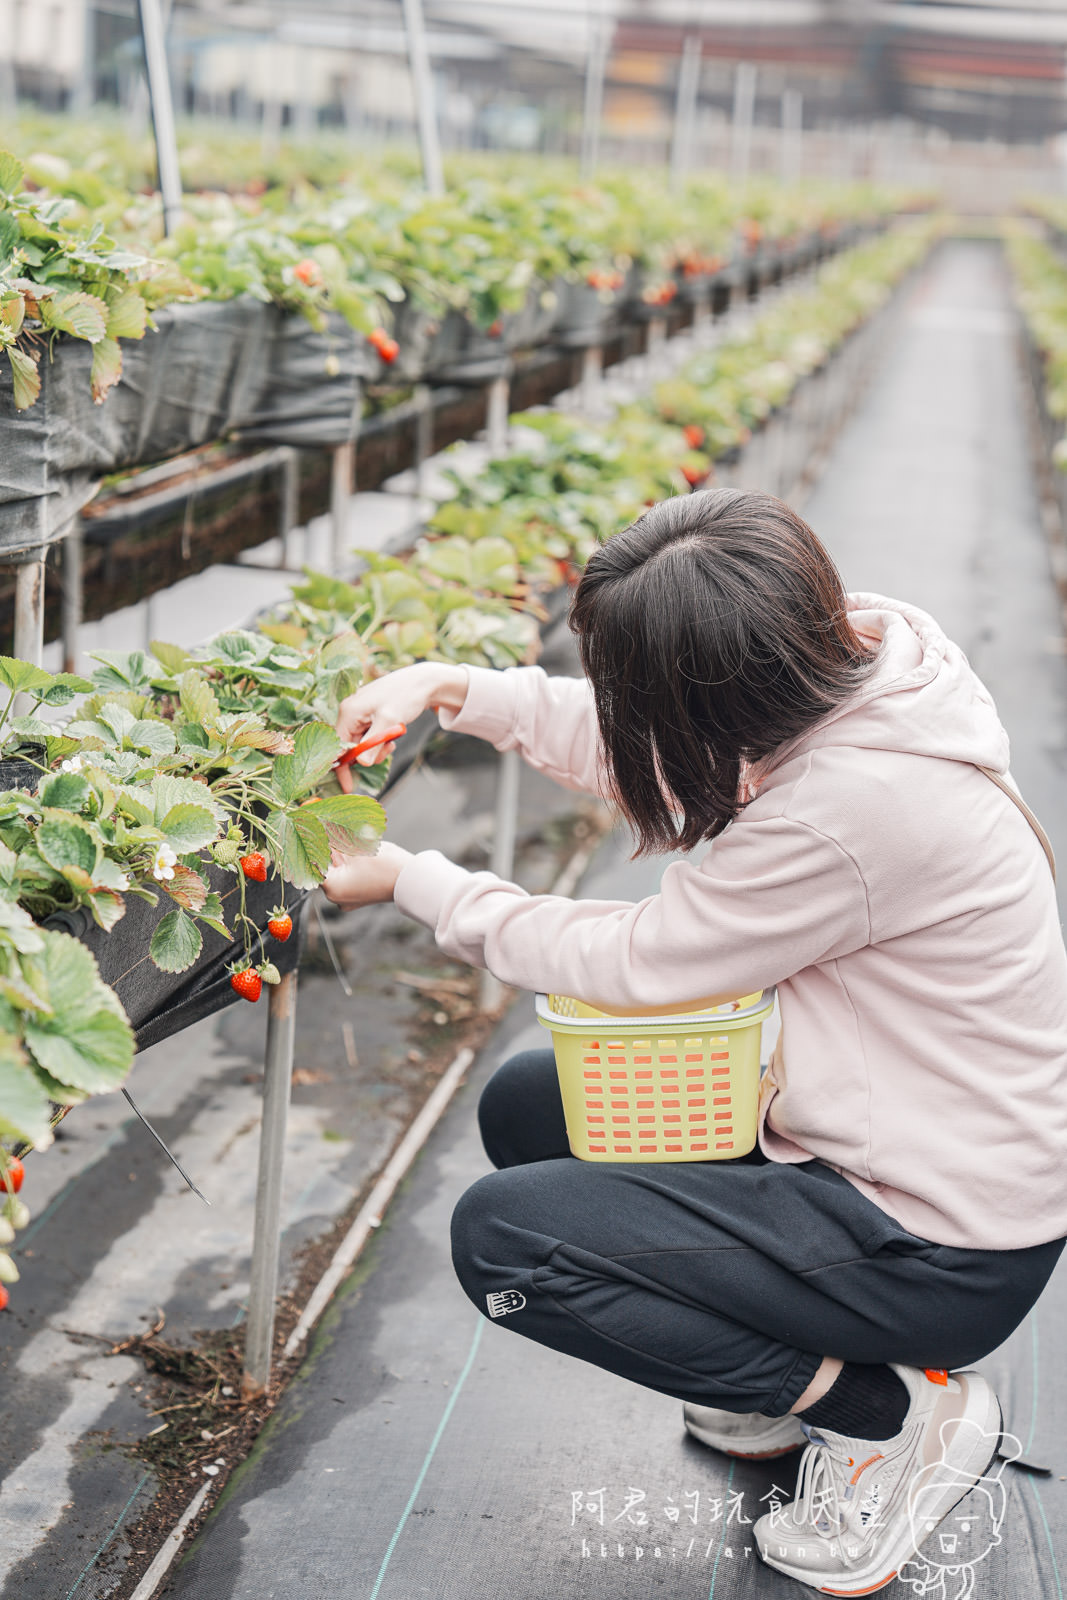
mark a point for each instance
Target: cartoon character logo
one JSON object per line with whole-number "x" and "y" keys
{"x": 945, "y": 1569}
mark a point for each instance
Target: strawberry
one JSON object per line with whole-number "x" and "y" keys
{"x": 694, "y": 435}
{"x": 496, "y": 328}
{"x": 12, "y": 1178}
{"x": 694, "y": 475}
{"x": 386, "y": 347}
{"x": 3, "y": 1297}
{"x": 280, "y": 925}
{"x": 254, "y": 866}
{"x": 246, "y": 983}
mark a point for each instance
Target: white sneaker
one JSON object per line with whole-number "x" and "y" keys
{"x": 749, "y": 1434}
{"x": 864, "y": 1506}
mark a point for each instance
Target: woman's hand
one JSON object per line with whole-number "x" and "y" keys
{"x": 365, "y": 880}
{"x": 400, "y": 696}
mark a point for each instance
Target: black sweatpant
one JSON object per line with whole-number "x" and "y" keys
{"x": 720, "y": 1282}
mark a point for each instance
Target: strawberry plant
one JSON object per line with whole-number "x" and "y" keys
{"x": 61, "y": 279}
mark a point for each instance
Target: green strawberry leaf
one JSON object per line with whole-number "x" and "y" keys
{"x": 65, "y": 843}
{"x": 64, "y": 687}
{"x": 106, "y": 369}
{"x": 304, "y": 846}
{"x": 169, "y": 792}
{"x": 22, "y": 676}
{"x": 67, "y": 791}
{"x": 127, "y": 316}
{"x": 86, "y": 1043}
{"x": 82, "y": 315}
{"x": 198, "y": 701}
{"x": 11, "y": 173}
{"x": 176, "y": 942}
{"x": 187, "y": 828}
{"x": 315, "y": 749}
{"x": 171, "y": 657}
{"x": 354, "y": 823}
{"x": 154, "y": 738}
{"x": 187, "y": 887}
{"x": 93, "y": 1053}
{"x": 25, "y": 1109}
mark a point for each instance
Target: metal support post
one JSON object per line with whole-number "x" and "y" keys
{"x": 423, "y": 398}
{"x": 342, "y": 487}
{"x": 425, "y": 111}
{"x": 263, "y": 1291}
{"x": 72, "y": 594}
{"x": 496, "y": 419}
{"x": 591, "y": 384}
{"x": 154, "y": 38}
{"x": 744, "y": 112}
{"x": 596, "y": 63}
{"x": 654, "y": 349}
{"x": 502, "y": 857}
{"x": 29, "y": 620}
{"x": 792, "y": 134}
{"x": 289, "y": 503}
{"x": 685, "y": 106}
{"x": 29, "y": 609}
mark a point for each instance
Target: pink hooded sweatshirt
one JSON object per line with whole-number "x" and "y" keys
{"x": 901, "y": 903}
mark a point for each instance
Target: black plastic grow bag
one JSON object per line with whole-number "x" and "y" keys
{"x": 312, "y": 388}
{"x": 210, "y": 370}
{"x": 188, "y": 382}
{"x": 159, "y": 1004}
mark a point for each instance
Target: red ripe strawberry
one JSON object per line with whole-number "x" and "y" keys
{"x": 254, "y": 866}
{"x": 3, "y": 1297}
{"x": 694, "y": 435}
{"x": 280, "y": 925}
{"x": 386, "y": 347}
{"x": 246, "y": 983}
{"x": 496, "y": 328}
{"x": 12, "y": 1178}
{"x": 694, "y": 475}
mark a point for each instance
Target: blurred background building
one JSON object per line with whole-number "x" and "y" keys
{"x": 974, "y": 89}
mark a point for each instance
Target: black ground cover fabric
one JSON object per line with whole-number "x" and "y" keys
{"x": 159, "y": 1004}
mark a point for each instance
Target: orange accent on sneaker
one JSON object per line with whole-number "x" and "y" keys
{"x": 870, "y": 1590}
{"x": 762, "y": 1455}
{"x": 936, "y": 1375}
{"x": 864, "y": 1465}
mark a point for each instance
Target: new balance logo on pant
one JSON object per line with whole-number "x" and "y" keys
{"x": 503, "y": 1301}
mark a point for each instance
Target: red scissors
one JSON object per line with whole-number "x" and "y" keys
{"x": 387, "y": 737}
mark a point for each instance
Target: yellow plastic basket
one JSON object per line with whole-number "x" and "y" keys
{"x": 675, "y": 1088}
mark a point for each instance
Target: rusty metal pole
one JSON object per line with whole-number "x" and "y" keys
{"x": 266, "y": 1238}
{"x": 72, "y": 594}
{"x": 29, "y": 609}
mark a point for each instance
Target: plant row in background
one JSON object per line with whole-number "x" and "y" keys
{"x": 82, "y": 256}
{"x": 1040, "y": 271}
{"x": 171, "y": 765}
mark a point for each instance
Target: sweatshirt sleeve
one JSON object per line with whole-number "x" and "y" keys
{"x": 768, "y": 899}
{"x": 550, "y": 721}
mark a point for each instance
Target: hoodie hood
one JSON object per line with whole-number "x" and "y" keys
{"x": 922, "y": 699}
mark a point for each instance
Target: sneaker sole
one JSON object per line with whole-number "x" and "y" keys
{"x": 710, "y": 1442}
{"x": 902, "y": 1555}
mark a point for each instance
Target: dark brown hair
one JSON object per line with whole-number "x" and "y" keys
{"x": 713, "y": 630}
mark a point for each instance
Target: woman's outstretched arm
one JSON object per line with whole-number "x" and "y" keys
{"x": 550, "y": 721}
{"x": 768, "y": 899}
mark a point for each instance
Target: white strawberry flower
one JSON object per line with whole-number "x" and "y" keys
{"x": 164, "y": 863}
{"x": 75, "y": 764}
